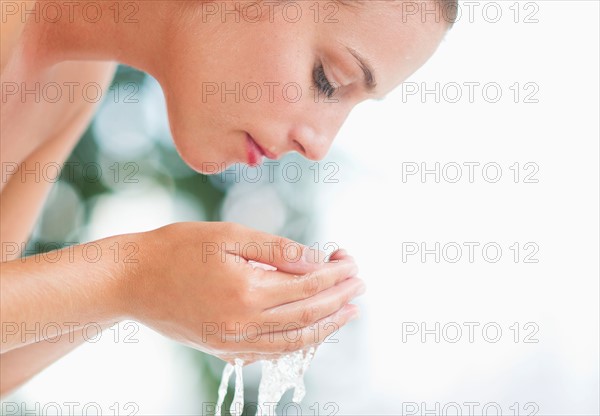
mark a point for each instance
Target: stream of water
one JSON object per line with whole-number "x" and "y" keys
{"x": 278, "y": 376}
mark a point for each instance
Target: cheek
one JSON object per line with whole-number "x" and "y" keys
{"x": 221, "y": 83}
{"x": 198, "y": 121}
{"x": 212, "y": 88}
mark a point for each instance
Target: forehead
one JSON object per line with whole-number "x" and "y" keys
{"x": 395, "y": 37}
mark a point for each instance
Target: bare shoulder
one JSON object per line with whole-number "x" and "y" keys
{"x": 11, "y": 27}
{"x": 40, "y": 131}
{"x": 88, "y": 83}
{"x": 84, "y": 85}
{"x": 52, "y": 107}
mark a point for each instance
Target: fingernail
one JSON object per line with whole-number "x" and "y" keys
{"x": 335, "y": 256}
{"x": 361, "y": 290}
{"x": 340, "y": 253}
{"x": 354, "y": 315}
{"x": 312, "y": 256}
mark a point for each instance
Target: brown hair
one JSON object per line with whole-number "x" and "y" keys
{"x": 448, "y": 9}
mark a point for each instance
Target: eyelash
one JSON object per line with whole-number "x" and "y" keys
{"x": 322, "y": 83}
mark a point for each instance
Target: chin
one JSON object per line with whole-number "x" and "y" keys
{"x": 212, "y": 168}
{"x": 206, "y": 166}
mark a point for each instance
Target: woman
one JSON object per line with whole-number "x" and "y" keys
{"x": 186, "y": 276}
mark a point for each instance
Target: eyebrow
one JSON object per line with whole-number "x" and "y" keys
{"x": 369, "y": 77}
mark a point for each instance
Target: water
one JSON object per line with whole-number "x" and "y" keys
{"x": 238, "y": 398}
{"x": 278, "y": 376}
{"x": 237, "y": 405}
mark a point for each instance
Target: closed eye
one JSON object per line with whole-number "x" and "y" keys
{"x": 322, "y": 82}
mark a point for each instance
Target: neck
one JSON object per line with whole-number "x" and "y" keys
{"x": 132, "y": 33}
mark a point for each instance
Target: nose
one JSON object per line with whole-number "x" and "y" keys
{"x": 310, "y": 143}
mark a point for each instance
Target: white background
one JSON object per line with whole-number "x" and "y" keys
{"x": 372, "y": 211}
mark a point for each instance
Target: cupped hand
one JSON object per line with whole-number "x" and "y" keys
{"x": 196, "y": 283}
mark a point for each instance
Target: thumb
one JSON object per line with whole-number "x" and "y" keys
{"x": 280, "y": 252}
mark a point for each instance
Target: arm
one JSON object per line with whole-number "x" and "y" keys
{"x": 191, "y": 282}
{"x": 42, "y": 299}
{"x": 11, "y": 27}
{"x": 22, "y": 196}
{"x": 42, "y": 296}
{"x": 19, "y": 365}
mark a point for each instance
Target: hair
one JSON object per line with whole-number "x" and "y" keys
{"x": 448, "y": 9}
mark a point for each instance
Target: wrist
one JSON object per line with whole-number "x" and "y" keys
{"x": 124, "y": 266}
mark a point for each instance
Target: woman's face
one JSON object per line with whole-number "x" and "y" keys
{"x": 281, "y": 76}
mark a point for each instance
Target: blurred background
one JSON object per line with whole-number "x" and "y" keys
{"x": 533, "y": 308}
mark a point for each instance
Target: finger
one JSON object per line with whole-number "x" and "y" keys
{"x": 294, "y": 338}
{"x": 251, "y": 357}
{"x": 289, "y": 337}
{"x": 284, "y": 254}
{"x": 308, "y": 311}
{"x": 339, "y": 255}
{"x": 278, "y": 288}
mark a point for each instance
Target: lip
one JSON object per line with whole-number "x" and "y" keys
{"x": 268, "y": 154}
{"x": 255, "y": 152}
